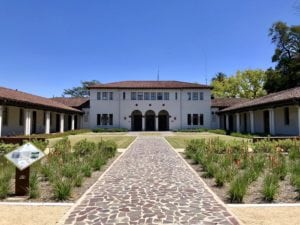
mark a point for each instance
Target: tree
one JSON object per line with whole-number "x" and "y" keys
{"x": 244, "y": 84}
{"x": 80, "y": 91}
{"x": 286, "y": 55}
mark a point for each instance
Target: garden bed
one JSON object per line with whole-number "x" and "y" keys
{"x": 64, "y": 174}
{"x": 244, "y": 172}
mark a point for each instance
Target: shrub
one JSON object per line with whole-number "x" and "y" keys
{"x": 294, "y": 152}
{"x": 279, "y": 167}
{"x": 40, "y": 144}
{"x": 97, "y": 163}
{"x": 102, "y": 130}
{"x": 218, "y": 131}
{"x": 84, "y": 147}
{"x": 235, "y": 134}
{"x": 210, "y": 170}
{"x": 265, "y": 146}
{"x": 108, "y": 149}
{"x": 86, "y": 169}
{"x": 270, "y": 187}
{"x": 286, "y": 144}
{"x": 220, "y": 175}
{"x": 34, "y": 185}
{"x": 78, "y": 180}
{"x": 70, "y": 170}
{"x": 5, "y": 148}
{"x": 62, "y": 148}
{"x": 62, "y": 188}
{"x": 193, "y": 146}
{"x": 238, "y": 188}
{"x": 5, "y": 177}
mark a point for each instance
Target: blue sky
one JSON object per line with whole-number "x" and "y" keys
{"x": 47, "y": 46}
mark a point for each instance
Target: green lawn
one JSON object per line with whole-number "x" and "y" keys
{"x": 180, "y": 139}
{"x": 122, "y": 141}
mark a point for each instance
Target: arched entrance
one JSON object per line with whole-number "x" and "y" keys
{"x": 136, "y": 120}
{"x": 163, "y": 120}
{"x": 150, "y": 120}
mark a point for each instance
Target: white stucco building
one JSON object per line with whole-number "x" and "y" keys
{"x": 150, "y": 105}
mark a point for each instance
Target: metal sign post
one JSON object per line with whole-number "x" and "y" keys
{"x": 22, "y": 158}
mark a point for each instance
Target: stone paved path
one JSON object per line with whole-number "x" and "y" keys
{"x": 150, "y": 184}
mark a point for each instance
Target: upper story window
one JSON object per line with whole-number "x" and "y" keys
{"x": 140, "y": 95}
{"x": 189, "y": 96}
{"x": 153, "y": 96}
{"x": 201, "y": 96}
{"x": 111, "y": 95}
{"x": 133, "y": 95}
{"x": 195, "y": 96}
{"x": 166, "y": 96}
{"x": 159, "y": 96}
{"x": 104, "y": 95}
{"x": 98, "y": 95}
{"x": 146, "y": 96}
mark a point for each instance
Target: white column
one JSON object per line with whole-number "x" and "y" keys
{"x": 156, "y": 123}
{"x": 252, "y": 131}
{"x": 227, "y": 121}
{"x": 62, "y": 122}
{"x": 27, "y": 127}
{"x": 143, "y": 123}
{"x": 238, "y": 128}
{"x": 1, "y": 114}
{"x": 73, "y": 123}
{"x": 47, "y": 125}
{"x": 272, "y": 121}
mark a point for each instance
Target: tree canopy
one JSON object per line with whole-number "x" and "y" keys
{"x": 244, "y": 84}
{"x": 80, "y": 91}
{"x": 287, "y": 56}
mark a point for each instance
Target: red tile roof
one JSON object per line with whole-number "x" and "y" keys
{"x": 227, "y": 102}
{"x": 75, "y": 102}
{"x": 150, "y": 85}
{"x": 19, "y": 98}
{"x": 290, "y": 96}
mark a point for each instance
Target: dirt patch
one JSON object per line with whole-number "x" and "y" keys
{"x": 268, "y": 215}
{"x": 286, "y": 192}
{"x": 31, "y": 215}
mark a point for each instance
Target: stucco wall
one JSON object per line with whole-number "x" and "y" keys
{"x": 177, "y": 109}
{"x": 281, "y": 127}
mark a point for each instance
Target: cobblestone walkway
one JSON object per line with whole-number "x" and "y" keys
{"x": 150, "y": 184}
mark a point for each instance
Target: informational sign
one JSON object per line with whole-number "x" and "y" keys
{"x": 24, "y": 156}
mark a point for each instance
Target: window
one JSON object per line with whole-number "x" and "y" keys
{"x": 21, "y": 117}
{"x": 159, "y": 96}
{"x": 176, "y": 96}
{"x": 201, "y": 96}
{"x": 195, "y": 119}
{"x": 104, "y": 95}
{"x": 146, "y": 96}
{"x": 189, "y": 119}
{"x": 5, "y": 117}
{"x": 286, "y": 116}
{"x": 124, "y": 95}
{"x": 153, "y": 96}
{"x": 110, "y": 121}
{"x": 98, "y": 95}
{"x": 213, "y": 117}
{"x": 104, "y": 119}
{"x": 201, "y": 119}
{"x": 195, "y": 96}
{"x": 98, "y": 119}
{"x": 140, "y": 96}
{"x": 44, "y": 119}
{"x": 111, "y": 95}
{"x": 189, "y": 96}
{"x": 166, "y": 96}
{"x": 133, "y": 95}
{"x": 245, "y": 122}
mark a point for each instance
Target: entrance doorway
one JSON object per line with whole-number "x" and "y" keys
{"x": 150, "y": 120}
{"x": 136, "y": 120}
{"x": 57, "y": 123}
{"x": 163, "y": 120}
{"x": 266, "y": 122}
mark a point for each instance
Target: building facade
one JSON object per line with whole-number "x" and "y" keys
{"x": 150, "y": 105}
